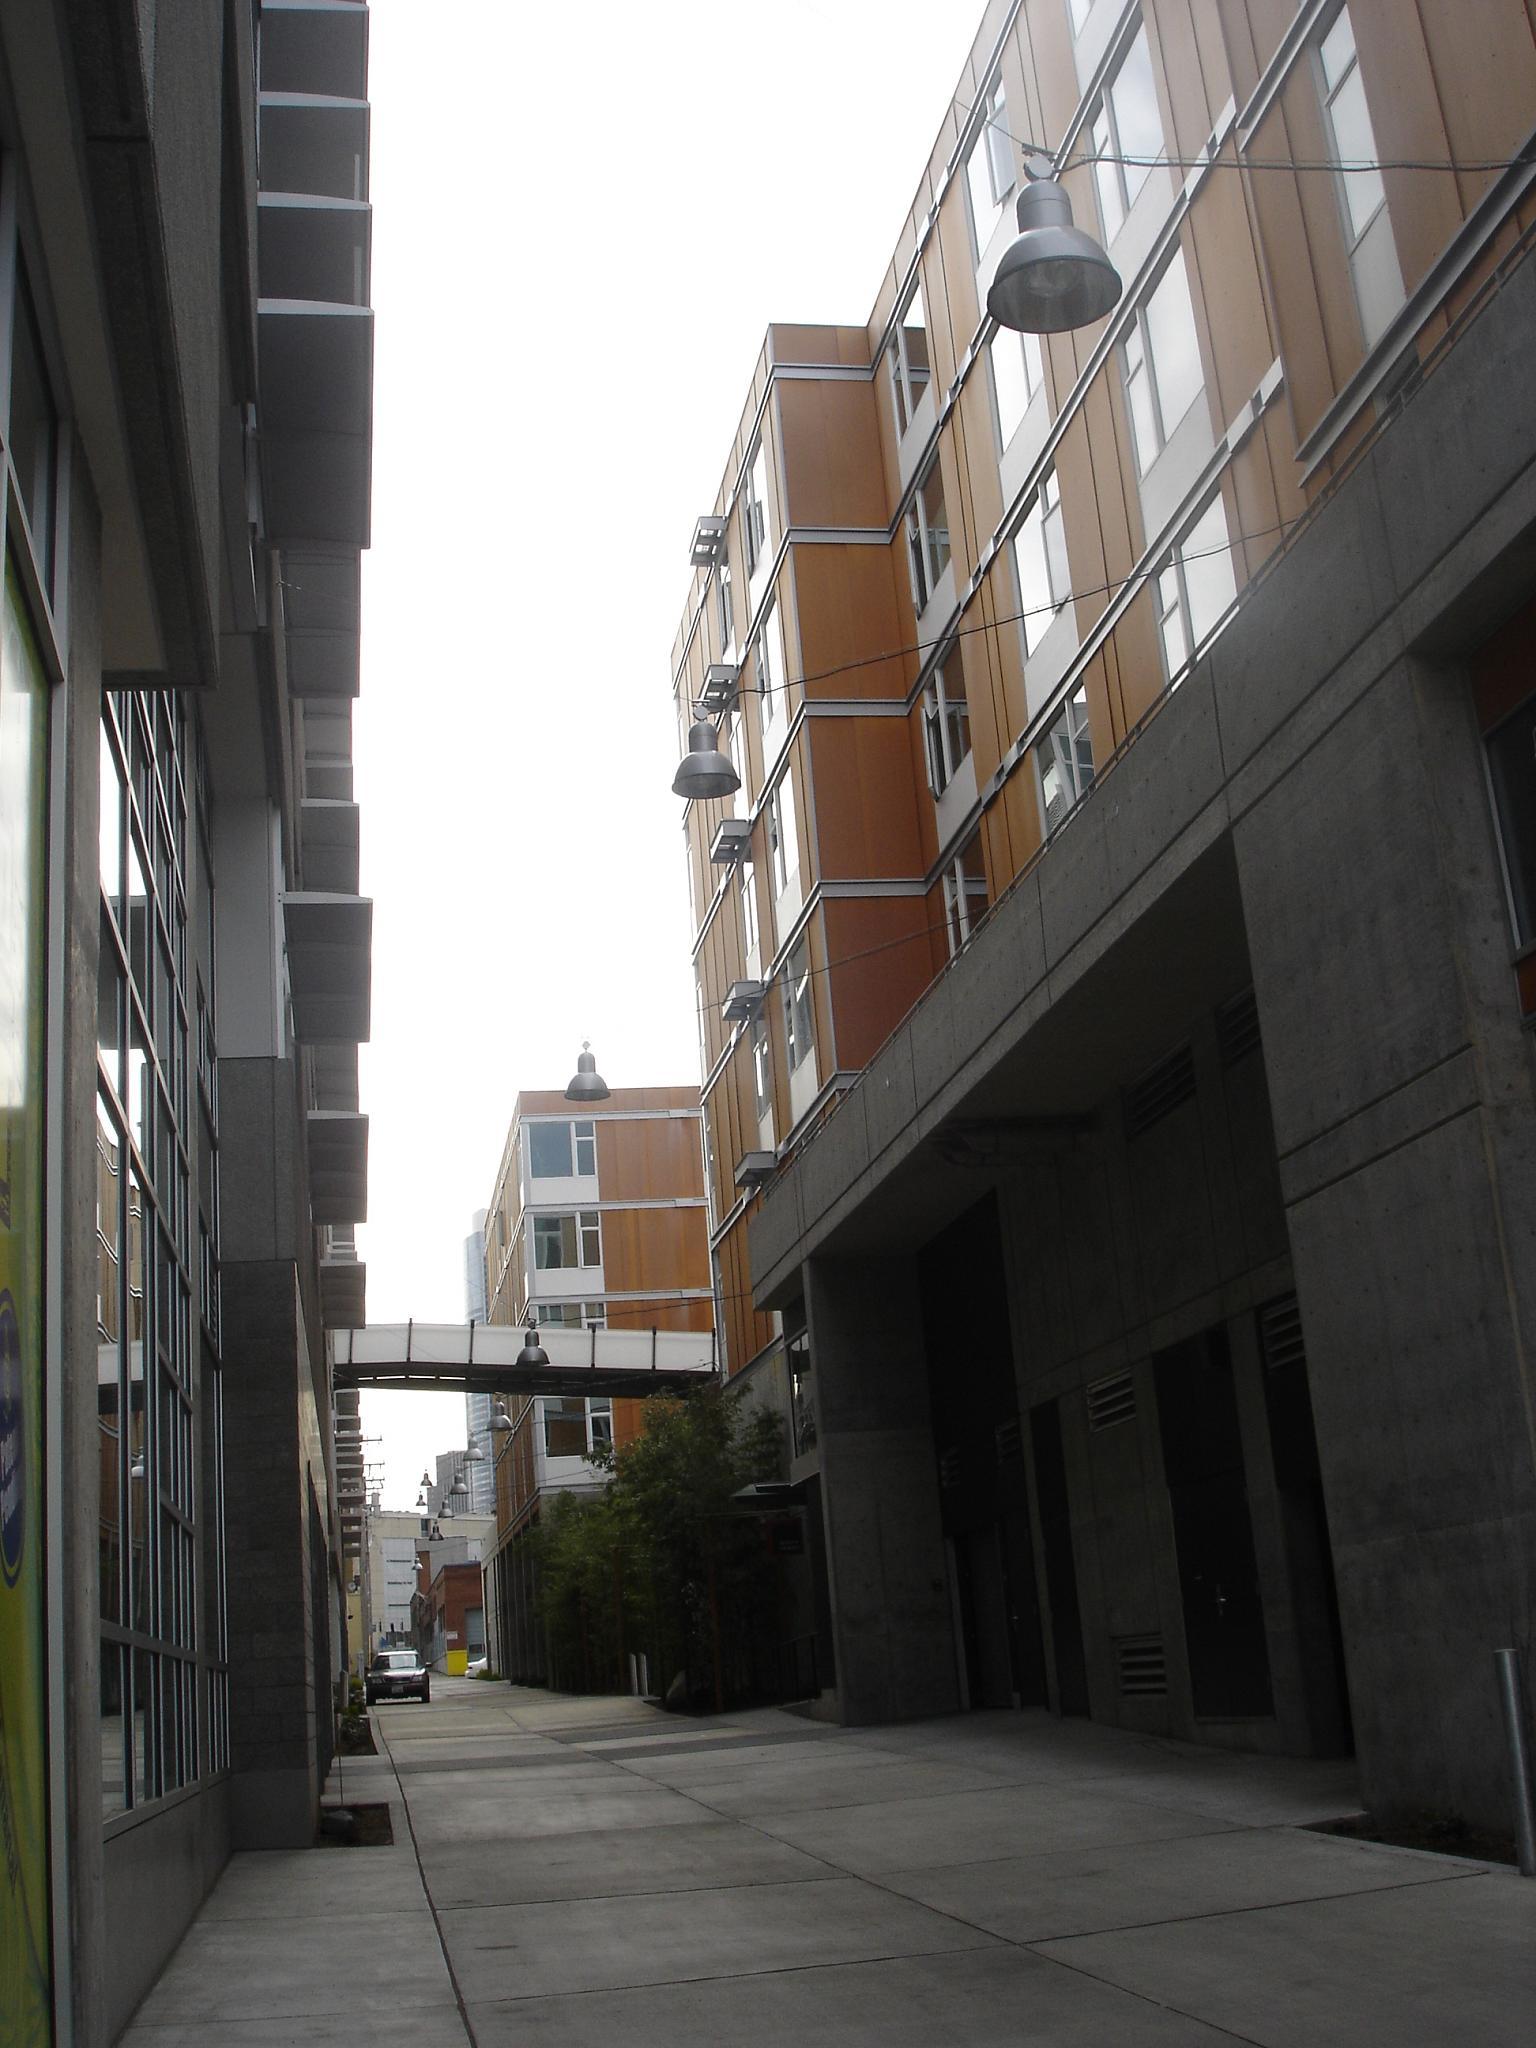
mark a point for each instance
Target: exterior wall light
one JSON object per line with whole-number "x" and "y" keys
{"x": 586, "y": 1084}
{"x": 1053, "y": 276}
{"x": 704, "y": 771}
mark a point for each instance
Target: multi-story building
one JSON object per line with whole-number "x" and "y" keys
{"x": 597, "y": 1221}
{"x": 184, "y": 960}
{"x": 450, "y": 1614}
{"x": 479, "y": 1473}
{"x": 1116, "y": 963}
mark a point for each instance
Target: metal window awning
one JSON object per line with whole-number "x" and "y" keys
{"x": 338, "y": 1166}
{"x": 343, "y": 1292}
{"x": 481, "y": 1358}
{"x": 322, "y": 612}
{"x": 330, "y": 955}
{"x": 329, "y": 843}
{"x": 314, "y": 46}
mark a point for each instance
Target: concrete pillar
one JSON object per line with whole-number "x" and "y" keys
{"x": 1402, "y": 1096}
{"x": 891, "y": 1624}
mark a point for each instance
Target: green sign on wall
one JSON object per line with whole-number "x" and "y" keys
{"x": 24, "y": 1931}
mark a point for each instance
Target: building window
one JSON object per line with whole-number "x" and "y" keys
{"x": 1040, "y": 561}
{"x": 799, "y": 1019}
{"x": 946, "y": 720}
{"x": 725, "y": 617}
{"x": 1512, "y": 772}
{"x": 1161, "y": 354}
{"x": 600, "y": 1424}
{"x": 734, "y": 731}
{"x": 1195, "y": 588}
{"x": 565, "y": 1241}
{"x": 762, "y": 1064}
{"x": 802, "y": 1402}
{"x": 33, "y": 433}
{"x": 1126, "y": 123}
{"x": 1065, "y": 757}
{"x": 772, "y": 697}
{"x": 1018, "y": 371}
{"x": 565, "y": 1427}
{"x": 1079, "y": 11}
{"x": 927, "y": 535}
{"x": 908, "y": 358}
{"x": 754, "y": 511}
{"x": 749, "y": 928}
{"x": 567, "y": 1315}
{"x": 965, "y": 893}
{"x": 557, "y": 1150}
{"x": 783, "y": 846}
{"x": 989, "y": 170}
{"x": 1349, "y": 122}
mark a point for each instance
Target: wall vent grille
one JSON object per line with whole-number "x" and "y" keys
{"x": 1237, "y": 1028}
{"x": 1280, "y": 1337}
{"x": 1111, "y": 1400}
{"x": 949, "y": 1468}
{"x": 1143, "y": 1667}
{"x": 1161, "y": 1089}
{"x": 1010, "y": 1440}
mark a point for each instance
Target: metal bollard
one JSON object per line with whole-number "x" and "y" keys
{"x": 1507, "y": 1664}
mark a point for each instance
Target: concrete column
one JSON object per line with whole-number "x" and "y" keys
{"x": 1402, "y": 1094}
{"x": 891, "y": 1624}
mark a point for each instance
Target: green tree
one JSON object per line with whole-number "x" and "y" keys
{"x": 664, "y": 1560}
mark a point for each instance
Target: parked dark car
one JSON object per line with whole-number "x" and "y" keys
{"x": 398, "y": 1675}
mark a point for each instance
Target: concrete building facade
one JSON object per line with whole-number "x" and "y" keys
{"x": 597, "y": 1221}
{"x": 1115, "y": 969}
{"x": 479, "y": 1473}
{"x": 185, "y": 390}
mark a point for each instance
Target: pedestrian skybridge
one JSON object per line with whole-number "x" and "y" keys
{"x": 483, "y": 1358}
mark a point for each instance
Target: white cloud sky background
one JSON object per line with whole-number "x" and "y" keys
{"x": 584, "y": 220}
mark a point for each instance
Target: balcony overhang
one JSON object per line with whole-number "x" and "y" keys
{"x": 742, "y": 1000}
{"x": 316, "y": 390}
{"x": 343, "y": 1292}
{"x": 708, "y": 539}
{"x": 312, "y": 247}
{"x": 481, "y": 1358}
{"x": 732, "y": 841}
{"x": 333, "y": 1077}
{"x": 315, "y": 46}
{"x": 328, "y": 845}
{"x": 314, "y": 144}
{"x": 338, "y": 1165}
{"x": 330, "y": 965}
{"x": 322, "y": 613}
{"x": 722, "y": 679}
{"x": 754, "y": 1168}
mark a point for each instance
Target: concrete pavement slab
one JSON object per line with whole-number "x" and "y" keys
{"x": 604, "y": 1863}
{"x": 1419, "y": 1967}
{"x": 604, "y": 1943}
{"x": 772, "y": 1787}
{"x": 1081, "y": 1891}
{"x": 524, "y": 1803}
{"x": 229, "y": 1970}
{"x": 338, "y": 1884}
{"x": 986, "y": 1998}
{"x": 969, "y": 1827}
{"x": 423, "y": 2027}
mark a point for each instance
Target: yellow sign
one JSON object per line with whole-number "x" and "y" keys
{"x": 24, "y": 1928}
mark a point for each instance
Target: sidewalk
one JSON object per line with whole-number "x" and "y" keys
{"x": 580, "y": 1871}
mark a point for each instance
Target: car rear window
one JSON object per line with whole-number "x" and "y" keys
{"x": 396, "y": 1660}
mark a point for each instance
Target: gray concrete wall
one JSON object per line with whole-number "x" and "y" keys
{"x": 892, "y": 1637}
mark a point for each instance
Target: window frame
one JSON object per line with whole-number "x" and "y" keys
{"x": 1170, "y": 589}
{"x": 1031, "y": 359}
{"x": 799, "y": 1006}
{"x": 1065, "y": 759}
{"x": 1044, "y": 525}
{"x": 1106, "y": 115}
{"x": 924, "y": 539}
{"x": 965, "y": 887}
{"x": 909, "y": 380}
{"x": 946, "y": 720}
{"x": 990, "y": 169}
{"x": 1138, "y": 359}
{"x": 756, "y": 526}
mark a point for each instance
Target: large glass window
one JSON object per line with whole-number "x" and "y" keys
{"x": 772, "y": 698}
{"x": 1065, "y": 759}
{"x": 557, "y": 1150}
{"x": 566, "y": 1241}
{"x": 755, "y": 525}
{"x": 927, "y": 535}
{"x": 1040, "y": 560}
{"x": 762, "y": 1064}
{"x": 1163, "y": 374}
{"x": 1512, "y": 772}
{"x": 989, "y": 169}
{"x": 799, "y": 1015}
{"x": 946, "y": 720}
{"x": 908, "y": 359}
{"x": 965, "y": 892}
{"x": 164, "y": 1698}
{"x": 725, "y": 617}
{"x": 783, "y": 845}
{"x": 749, "y": 927}
{"x": 1018, "y": 372}
{"x": 1349, "y": 120}
{"x": 1126, "y": 124}
{"x": 1195, "y": 588}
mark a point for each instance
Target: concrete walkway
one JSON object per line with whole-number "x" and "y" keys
{"x": 587, "y": 1871}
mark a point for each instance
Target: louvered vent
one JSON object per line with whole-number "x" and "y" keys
{"x": 1143, "y": 1667}
{"x": 1010, "y": 1440}
{"x": 1237, "y": 1028}
{"x": 1280, "y": 1337}
{"x": 1111, "y": 1400}
{"x": 949, "y": 1468}
{"x": 1160, "y": 1090}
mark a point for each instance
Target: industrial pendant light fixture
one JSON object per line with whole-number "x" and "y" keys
{"x": 1054, "y": 276}
{"x": 586, "y": 1084}
{"x": 501, "y": 1421}
{"x": 704, "y": 771}
{"x": 533, "y": 1352}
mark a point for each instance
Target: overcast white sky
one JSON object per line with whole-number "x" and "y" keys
{"x": 584, "y": 219}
